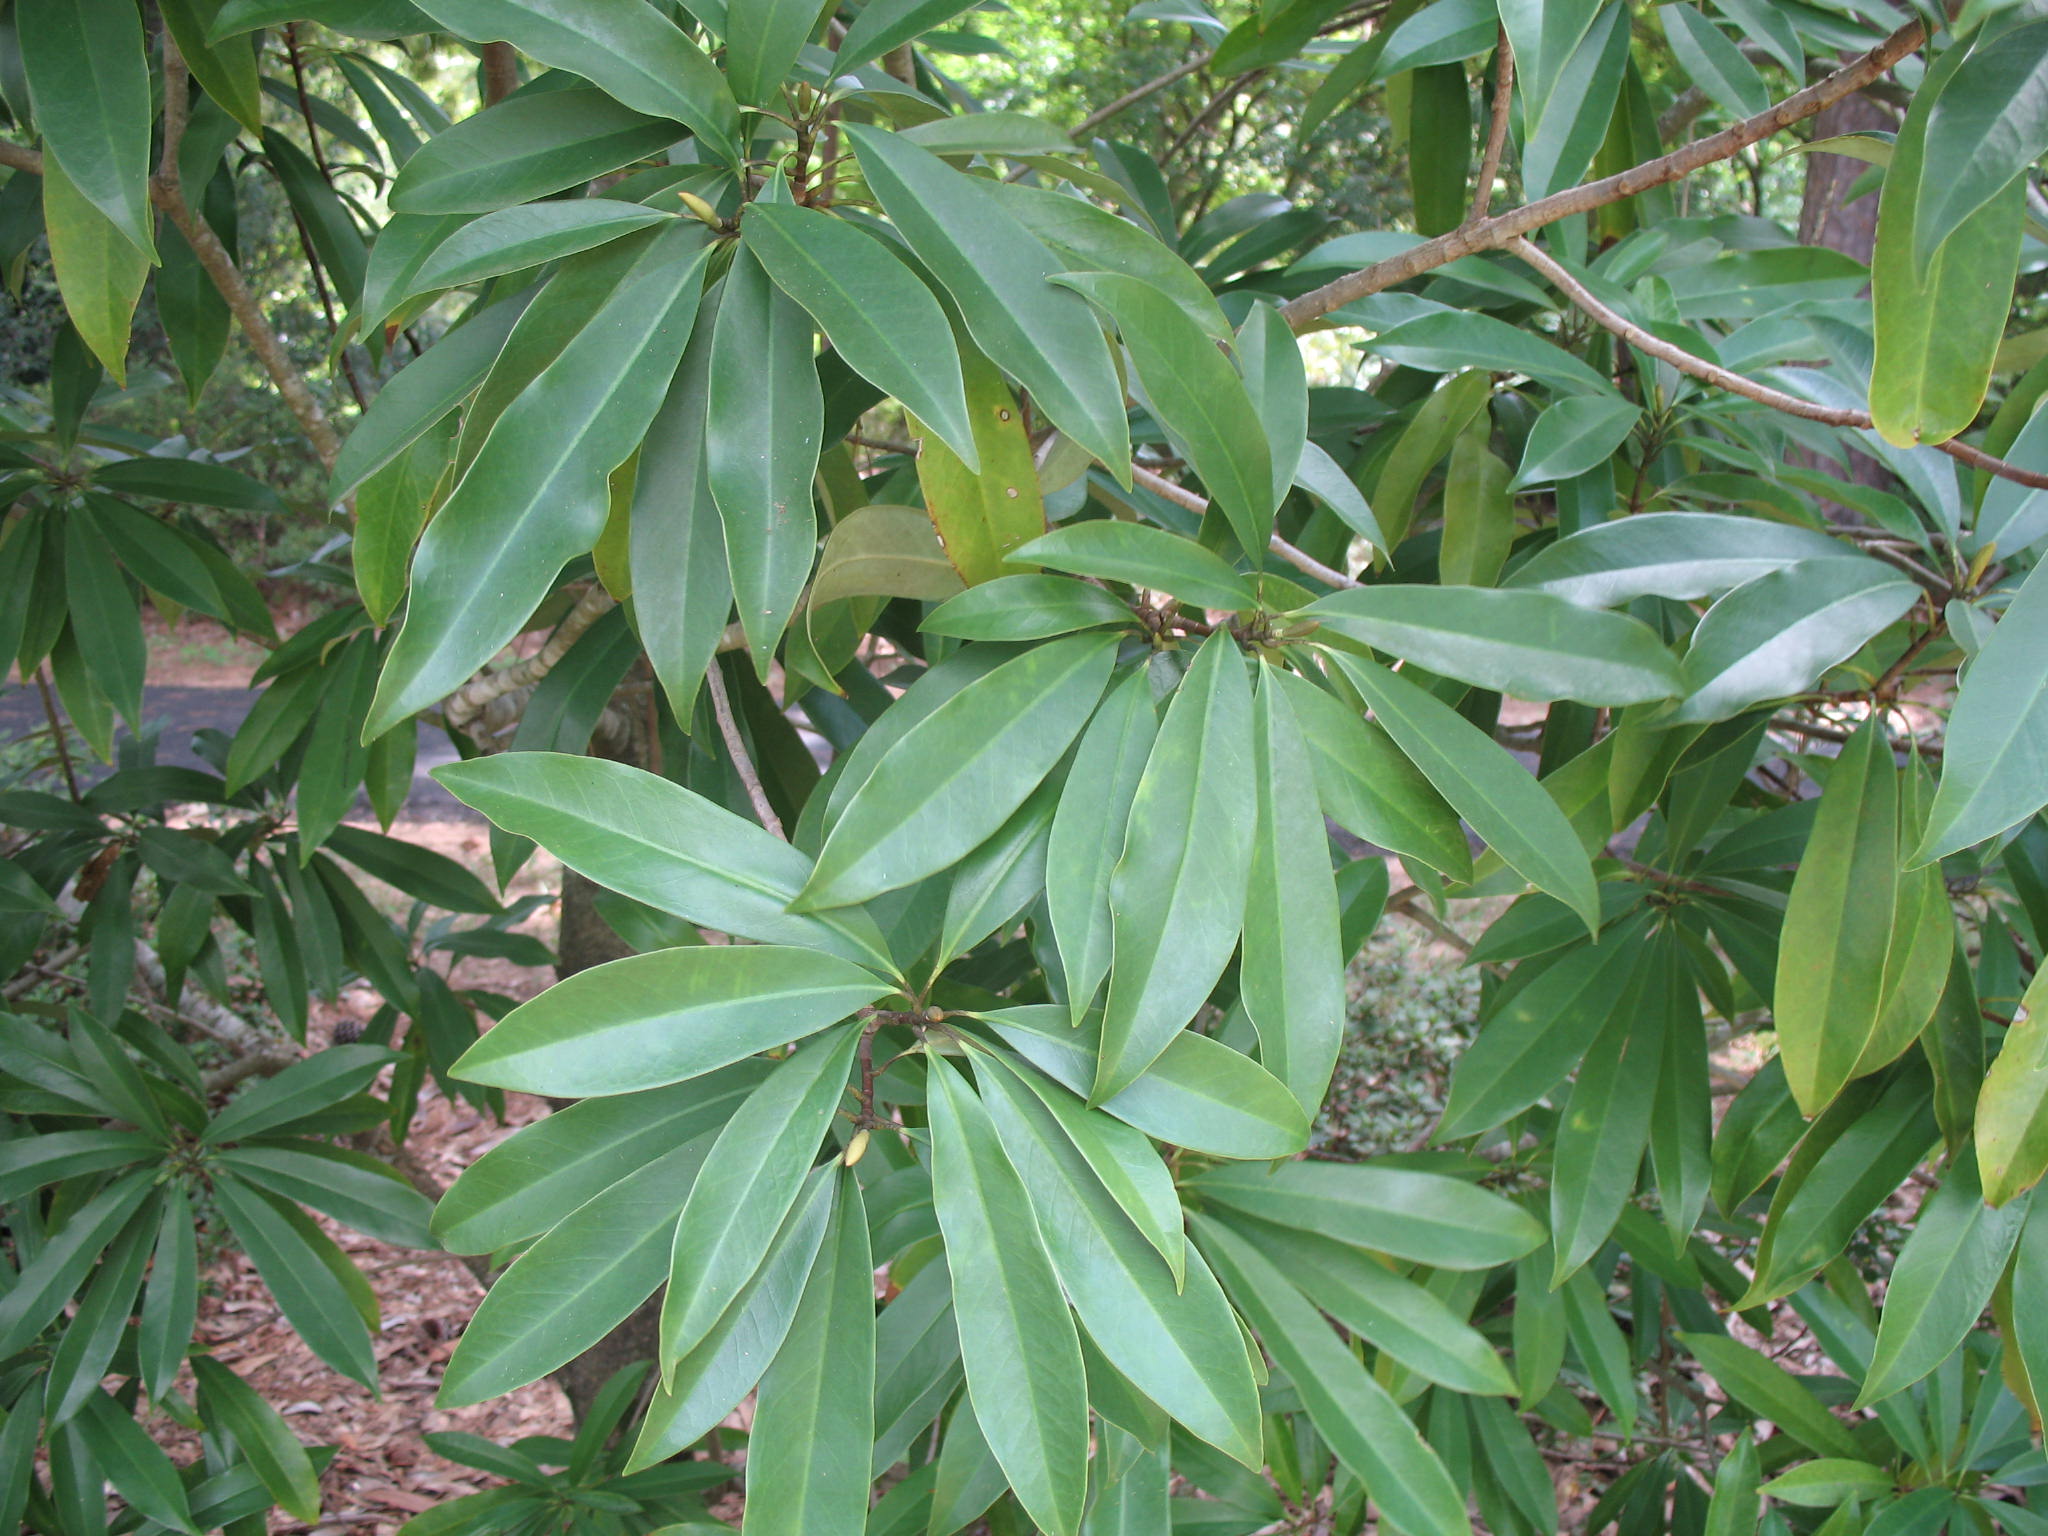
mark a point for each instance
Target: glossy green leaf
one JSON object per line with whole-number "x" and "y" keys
{"x": 1197, "y": 397}
{"x": 877, "y": 315}
{"x": 1572, "y": 436}
{"x": 536, "y": 495}
{"x": 1501, "y": 800}
{"x": 1318, "y": 474}
{"x": 636, "y": 56}
{"x": 513, "y": 239}
{"x": 1025, "y": 608}
{"x": 1734, "y": 1508}
{"x": 999, "y": 879}
{"x": 888, "y": 24}
{"x": 1017, "y": 1338}
{"x": 762, "y": 41}
{"x": 1988, "y": 124}
{"x": 88, "y": 73}
{"x": 659, "y": 1018}
{"x": 751, "y": 1178}
{"x": 576, "y": 1283}
{"x": 1992, "y": 774}
{"x": 1177, "y": 893}
{"x": 1178, "y": 1345}
{"x": 262, "y": 1436}
{"x": 85, "y": 1350}
{"x": 1290, "y": 972}
{"x": 2012, "y": 1109}
{"x": 105, "y": 622}
{"x": 531, "y": 144}
{"x": 1771, "y": 1392}
{"x": 47, "y": 1282}
{"x": 99, "y": 271}
{"x": 986, "y": 508}
{"x": 996, "y": 270}
{"x": 1353, "y": 1412}
{"x": 705, "y": 1384}
{"x": 1145, "y": 557}
{"x": 354, "y": 1188}
{"x": 297, "y": 1263}
{"x": 1712, "y": 62}
{"x": 1447, "y": 340}
{"x": 1838, "y": 923}
{"x": 137, "y": 1467}
{"x": 764, "y": 418}
{"x": 1668, "y": 554}
{"x": 1429, "y": 1218}
{"x": 170, "y": 1299}
{"x": 1776, "y": 634}
{"x": 957, "y": 775}
{"x": 1527, "y": 644}
{"x": 807, "y": 1468}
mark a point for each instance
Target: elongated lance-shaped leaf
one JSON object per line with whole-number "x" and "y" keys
{"x": 170, "y": 1301}
{"x": 262, "y": 1436}
{"x": 301, "y": 1272}
{"x": 87, "y": 70}
{"x": 764, "y": 422}
{"x": 513, "y": 239}
{"x": 1354, "y": 1414}
{"x": 762, "y": 41}
{"x": 957, "y": 775}
{"x": 996, "y": 271}
{"x": 1274, "y": 377}
{"x": 573, "y": 1286}
{"x": 1197, "y": 396}
{"x": 704, "y": 1385}
{"x": 534, "y": 142}
{"x": 537, "y": 493}
{"x": 1502, "y": 801}
{"x": 1177, "y": 894}
{"x": 917, "y": 1362}
{"x": 649, "y": 838}
{"x": 1291, "y": 973}
{"x": 1180, "y": 1347}
{"x": 2012, "y": 1107}
{"x": 663, "y": 1017}
{"x": 1987, "y": 124}
{"x": 986, "y": 509}
{"x": 1666, "y": 554}
{"x": 872, "y": 308}
{"x": 807, "y": 1474}
{"x": 1145, "y": 557}
{"x": 750, "y": 1180}
{"x": 1838, "y": 923}
{"x": 1017, "y": 1338}
{"x": 1088, "y": 834}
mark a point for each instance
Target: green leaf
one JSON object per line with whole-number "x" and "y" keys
{"x": 296, "y": 1262}
{"x": 765, "y": 416}
{"x": 1429, "y": 1218}
{"x": 88, "y": 72}
{"x": 1017, "y": 1339}
{"x": 751, "y": 1179}
{"x": 1447, "y": 340}
{"x": 956, "y": 776}
{"x": 513, "y": 239}
{"x": 105, "y": 623}
{"x": 330, "y": 230}
{"x": 537, "y": 494}
{"x": 272, "y": 1450}
{"x": 1504, "y": 803}
{"x": 1088, "y": 831}
{"x": 420, "y": 872}
{"x": 29, "y": 1163}
{"x": 884, "y": 551}
{"x": 531, "y": 144}
{"x": 659, "y": 1018}
{"x": 1393, "y": 1314}
{"x": 807, "y": 1468}
{"x": 705, "y": 1384}
{"x": 1941, "y": 1282}
{"x": 1712, "y": 62}
{"x": 354, "y": 1188}
{"x": 1939, "y": 320}
{"x": 86, "y": 1350}
{"x": 136, "y": 1465}
{"x": 888, "y": 24}
{"x": 1578, "y": 106}
{"x": 986, "y": 508}
{"x": 1527, "y": 644}
{"x": 170, "y": 1300}
{"x": 1092, "y": 239}
{"x": 575, "y": 1284}
{"x": 1986, "y": 125}
{"x": 2012, "y": 1109}
{"x": 996, "y": 270}
{"x": 967, "y": 1477}
{"x": 1771, "y": 1392}
{"x": 1479, "y": 514}
{"x": 1179, "y": 1346}
{"x": 1992, "y": 773}
{"x": 542, "y": 1172}
{"x": 1291, "y": 971}
{"x": 1145, "y": 557}
{"x": 1197, "y": 397}
{"x": 1199, "y": 1094}
{"x": 304, "y": 1088}
{"x": 917, "y": 1360}
{"x": 99, "y": 271}
{"x": 1830, "y": 1482}
{"x": 1573, "y": 435}
{"x": 635, "y": 55}
{"x": 876, "y": 314}
{"x": 49, "y": 1280}
{"x": 1776, "y": 635}
{"x": 1025, "y": 608}
{"x": 1667, "y": 554}
{"x": 1354, "y": 1414}
{"x": 762, "y": 41}
{"x": 999, "y": 879}
{"x": 1177, "y": 894}
{"x": 1368, "y": 788}
{"x": 1838, "y": 923}
{"x": 1734, "y": 1508}
{"x": 1318, "y": 474}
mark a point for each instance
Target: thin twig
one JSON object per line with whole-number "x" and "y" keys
{"x": 1132, "y": 97}
{"x": 1492, "y": 233}
{"x": 1181, "y": 496}
{"x": 57, "y": 732}
{"x": 348, "y": 367}
{"x": 1735, "y": 383}
{"x": 742, "y": 763}
{"x": 1497, "y": 134}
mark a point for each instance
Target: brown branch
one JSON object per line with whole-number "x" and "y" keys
{"x": 468, "y": 702}
{"x": 57, "y": 732}
{"x": 1137, "y": 94}
{"x": 501, "y": 72}
{"x": 1735, "y": 383}
{"x": 1181, "y": 496}
{"x": 21, "y": 158}
{"x": 1493, "y": 233}
{"x": 1497, "y": 133}
{"x": 742, "y": 762}
{"x": 348, "y": 367}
